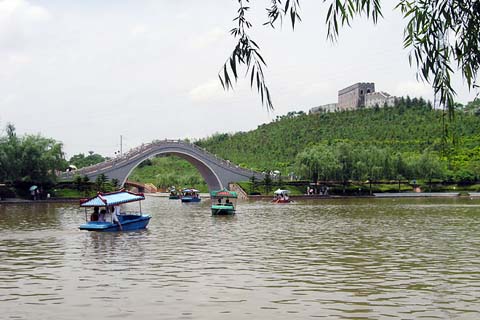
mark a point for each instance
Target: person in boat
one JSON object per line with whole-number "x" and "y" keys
{"x": 101, "y": 216}
{"x": 115, "y": 213}
{"x": 228, "y": 203}
{"x": 219, "y": 201}
{"x": 94, "y": 216}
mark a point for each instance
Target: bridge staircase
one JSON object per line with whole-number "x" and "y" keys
{"x": 239, "y": 190}
{"x": 141, "y": 187}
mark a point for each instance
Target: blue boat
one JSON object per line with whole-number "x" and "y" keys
{"x": 110, "y": 217}
{"x": 190, "y": 195}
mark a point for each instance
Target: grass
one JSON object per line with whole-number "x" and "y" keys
{"x": 72, "y": 193}
{"x": 168, "y": 171}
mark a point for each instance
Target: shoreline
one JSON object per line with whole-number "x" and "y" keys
{"x": 268, "y": 197}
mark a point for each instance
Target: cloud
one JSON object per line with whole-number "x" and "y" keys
{"x": 414, "y": 89}
{"x": 138, "y": 30}
{"x": 206, "y": 91}
{"x": 19, "y": 58}
{"x": 21, "y": 10}
{"x": 209, "y": 38}
{"x": 7, "y": 100}
{"x": 318, "y": 89}
{"x": 19, "y": 20}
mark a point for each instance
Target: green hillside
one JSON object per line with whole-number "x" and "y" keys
{"x": 409, "y": 129}
{"x": 410, "y": 141}
{"x": 169, "y": 171}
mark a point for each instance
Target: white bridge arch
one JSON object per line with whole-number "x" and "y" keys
{"x": 218, "y": 173}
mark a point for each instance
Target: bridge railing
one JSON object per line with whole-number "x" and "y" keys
{"x": 137, "y": 151}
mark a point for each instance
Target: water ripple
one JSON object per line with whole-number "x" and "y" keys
{"x": 341, "y": 259}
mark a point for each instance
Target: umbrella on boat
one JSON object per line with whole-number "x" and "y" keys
{"x": 224, "y": 193}
{"x": 33, "y": 188}
{"x": 281, "y": 191}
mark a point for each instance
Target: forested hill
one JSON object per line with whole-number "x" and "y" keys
{"x": 410, "y": 128}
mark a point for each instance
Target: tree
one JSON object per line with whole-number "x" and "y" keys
{"x": 78, "y": 182}
{"x": 115, "y": 183}
{"x": 473, "y": 107}
{"x": 253, "y": 184}
{"x": 267, "y": 182}
{"x": 29, "y": 159}
{"x": 430, "y": 167}
{"x": 400, "y": 169}
{"x": 101, "y": 182}
{"x": 318, "y": 162}
{"x": 80, "y": 160}
{"x": 442, "y": 35}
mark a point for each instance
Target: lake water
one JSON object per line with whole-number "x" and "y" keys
{"x": 331, "y": 259}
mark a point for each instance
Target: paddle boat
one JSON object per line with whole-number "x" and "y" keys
{"x": 281, "y": 196}
{"x": 223, "y": 202}
{"x": 110, "y": 217}
{"x": 173, "y": 193}
{"x": 190, "y": 195}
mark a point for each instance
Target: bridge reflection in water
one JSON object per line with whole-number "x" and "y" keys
{"x": 217, "y": 172}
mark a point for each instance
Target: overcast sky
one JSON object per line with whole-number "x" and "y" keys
{"x": 85, "y": 72}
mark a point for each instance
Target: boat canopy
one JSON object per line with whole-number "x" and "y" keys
{"x": 281, "y": 191}
{"x": 111, "y": 199}
{"x": 224, "y": 193}
{"x": 190, "y": 191}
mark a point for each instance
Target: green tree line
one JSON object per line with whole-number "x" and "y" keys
{"x": 350, "y": 162}
{"x": 407, "y": 132}
{"x": 30, "y": 159}
{"x": 80, "y": 160}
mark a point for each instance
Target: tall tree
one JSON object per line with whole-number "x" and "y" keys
{"x": 430, "y": 167}
{"x": 31, "y": 158}
{"x": 80, "y": 160}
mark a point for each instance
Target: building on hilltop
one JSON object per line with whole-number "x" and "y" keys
{"x": 331, "y": 107}
{"x": 358, "y": 95}
{"x": 380, "y": 99}
{"x": 353, "y": 97}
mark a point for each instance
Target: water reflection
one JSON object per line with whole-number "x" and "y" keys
{"x": 342, "y": 259}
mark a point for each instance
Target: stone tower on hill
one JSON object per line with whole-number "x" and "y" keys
{"x": 353, "y": 97}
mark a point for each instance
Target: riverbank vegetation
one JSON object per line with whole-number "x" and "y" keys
{"x": 381, "y": 149}
{"x": 80, "y": 160}
{"x": 29, "y": 160}
{"x": 167, "y": 171}
{"x": 408, "y": 142}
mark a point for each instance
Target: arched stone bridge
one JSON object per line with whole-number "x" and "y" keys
{"x": 218, "y": 173}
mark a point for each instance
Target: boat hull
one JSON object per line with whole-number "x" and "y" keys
{"x": 282, "y": 201}
{"x": 190, "y": 199}
{"x": 222, "y": 210}
{"x": 173, "y": 197}
{"x": 128, "y": 223}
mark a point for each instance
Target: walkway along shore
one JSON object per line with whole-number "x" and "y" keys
{"x": 268, "y": 197}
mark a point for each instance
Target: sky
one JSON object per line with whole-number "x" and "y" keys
{"x": 87, "y": 72}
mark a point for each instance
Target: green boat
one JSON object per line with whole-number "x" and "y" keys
{"x": 223, "y": 202}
